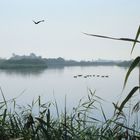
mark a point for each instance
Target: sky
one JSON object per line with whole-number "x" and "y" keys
{"x": 61, "y": 33}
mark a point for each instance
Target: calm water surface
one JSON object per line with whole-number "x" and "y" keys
{"x": 59, "y": 82}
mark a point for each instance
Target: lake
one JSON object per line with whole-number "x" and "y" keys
{"x": 60, "y": 82}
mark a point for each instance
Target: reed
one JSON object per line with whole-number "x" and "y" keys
{"x": 21, "y": 122}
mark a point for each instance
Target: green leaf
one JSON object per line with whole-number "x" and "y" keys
{"x": 114, "y": 38}
{"x": 42, "y": 122}
{"x": 4, "y": 116}
{"x": 48, "y": 118}
{"x": 3, "y": 96}
{"x": 128, "y": 97}
{"x": 136, "y": 38}
{"x": 132, "y": 66}
{"x": 136, "y": 107}
{"x": 103, "y": 114}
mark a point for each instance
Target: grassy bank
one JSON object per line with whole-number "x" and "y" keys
{"x": 21, "y": 122}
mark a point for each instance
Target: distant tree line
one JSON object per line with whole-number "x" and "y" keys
{"x": 33, "y": 61}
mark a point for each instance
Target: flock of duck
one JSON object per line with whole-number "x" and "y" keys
{"x": 87, "y": 76}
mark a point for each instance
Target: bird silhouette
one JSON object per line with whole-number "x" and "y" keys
{"x": 37, "y": 22}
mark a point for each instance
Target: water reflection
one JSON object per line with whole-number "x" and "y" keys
{"x": 39, "y": 71}
{"x": 31, "y": 71}
{"x": 23, "y": 72}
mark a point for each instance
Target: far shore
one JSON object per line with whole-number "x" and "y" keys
{"x": 32, "y": 61}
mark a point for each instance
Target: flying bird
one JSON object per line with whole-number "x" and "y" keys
{"x": 37, "y": 22}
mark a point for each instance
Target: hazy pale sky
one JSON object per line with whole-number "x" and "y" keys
{"x": 61, "y": 33}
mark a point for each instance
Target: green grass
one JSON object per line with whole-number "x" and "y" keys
{"x": 21, "y": 122}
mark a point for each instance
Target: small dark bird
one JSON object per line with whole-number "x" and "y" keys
{"x": 37, "y": 22}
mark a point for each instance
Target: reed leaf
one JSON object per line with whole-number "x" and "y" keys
{"x": 41, "y": 121}
{"x": 136, "y": 39}
{"x": 94, "y": 119}
{"x": 65, "y": 120}
{"x": 4, "y": 116}
{"x": 2, "y": 106}
{"x": 12, "y": 123}
{"x": 127, "y": 128}
{"x": 16, "y": 122}
{"x": 114, "y": 38}
{"x": 48, "y": 118}
{"x": 39, "y": 101}
{"x": 56, "y": 106}
{"x": 128, "y": 97}
{"x": 3, "y": 96}
{"x": 103, "y": 114}
{"x": 136, "y": 107}
{"x": 132, "y": 66}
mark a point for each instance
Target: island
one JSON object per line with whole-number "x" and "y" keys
{"x": 34, "y": 61}
{"x": 24, "y": 61}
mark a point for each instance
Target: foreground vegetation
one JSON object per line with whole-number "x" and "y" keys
{"x": 38, "y": 121}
